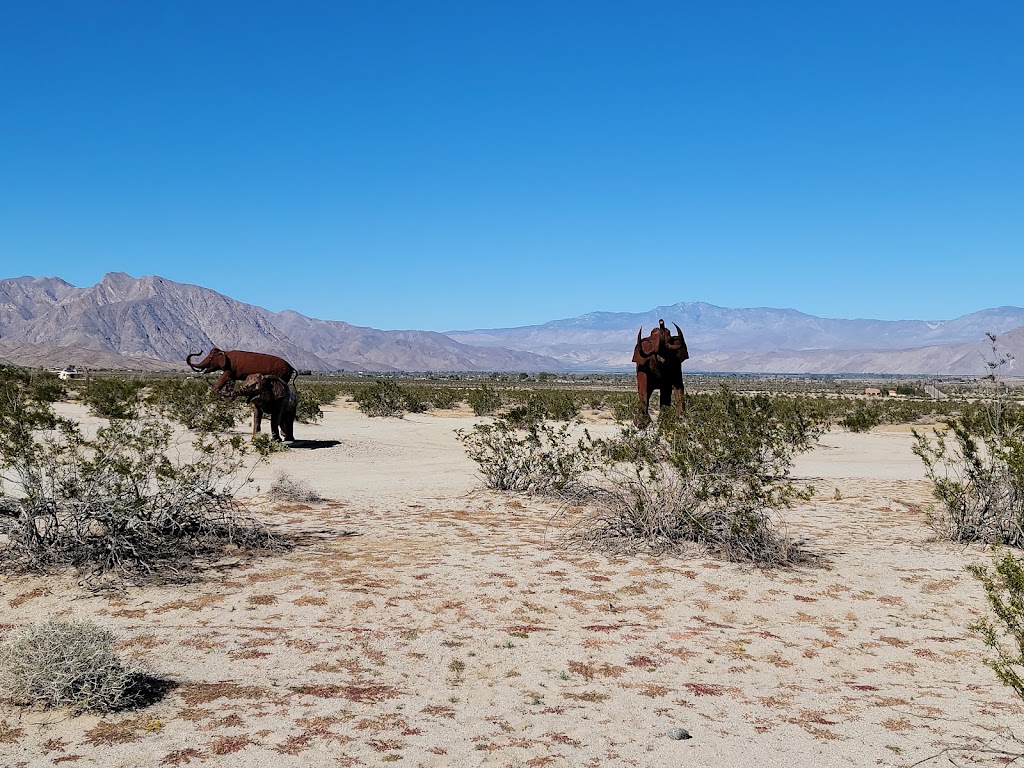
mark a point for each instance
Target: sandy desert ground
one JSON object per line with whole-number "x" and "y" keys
{"x": 430, "y": 622}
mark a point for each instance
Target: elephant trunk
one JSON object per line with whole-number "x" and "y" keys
{"x": 193, "y": 366}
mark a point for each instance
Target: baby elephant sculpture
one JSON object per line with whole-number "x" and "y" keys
{"x": 273, "y": 395}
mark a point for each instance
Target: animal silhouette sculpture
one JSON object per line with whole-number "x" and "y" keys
{"x": 659, "y": 366}
{"x": 237, "y": 364}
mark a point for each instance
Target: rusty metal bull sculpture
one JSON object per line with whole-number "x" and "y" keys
{"x": 271, "y": 395}
{"x": 659, "y": 366}
{"x": 237, "y": 364}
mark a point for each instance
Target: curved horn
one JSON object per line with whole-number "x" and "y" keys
{"x": 189, "y": 363}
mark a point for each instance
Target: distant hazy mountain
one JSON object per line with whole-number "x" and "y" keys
{"x": 151, "y": 322}
{"x": 151, "y": 318}
{"x": 764, "y": 340}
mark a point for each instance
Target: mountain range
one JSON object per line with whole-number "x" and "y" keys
{"x": 151, "y": 323}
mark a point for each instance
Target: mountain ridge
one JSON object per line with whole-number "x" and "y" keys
{"x": 153, "y": 318}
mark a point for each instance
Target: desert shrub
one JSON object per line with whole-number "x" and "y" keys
{"x": 716, "y": 478}
{"x": 383, "y": 398}
{"x": 978, "y": 481}
{"x": 625, "y": 407}
{"x": 444, "y": 398}
{"x": 70, "y": 664}
{"x": 556, "y": 404}
{"x": 525, "y": 414}
{"x": 540, "y": 458}
{"x": 47, "y": 387}
{"x": 113, "y": 398}
{"x": 287, "y": 488}
{"x": 977, "y": 467}
{"x": 1004, "y": 589}
{"x": 307, "y": 411}
{"x": 484, "y": 400}
{"x": 123, "y": 502}
{"x": 323, "y": 392}
{"x": 191, "y": 403}
{"x": 416, "y": 399}
{"x": 862, "y": 417}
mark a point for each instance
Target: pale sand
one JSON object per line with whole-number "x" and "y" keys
{"x": 455, "y": 630}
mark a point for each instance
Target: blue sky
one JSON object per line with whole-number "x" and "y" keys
{"x": 442, "y": 165}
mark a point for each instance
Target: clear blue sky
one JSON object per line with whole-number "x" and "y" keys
{"x": 441, "y": 165}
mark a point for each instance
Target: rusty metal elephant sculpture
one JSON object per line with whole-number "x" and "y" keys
{"x": 274, "y": 396}
{"x": 237, "y": 364}
{"x": 659, "y": 366}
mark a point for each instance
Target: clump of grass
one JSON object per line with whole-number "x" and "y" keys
{"x": 66, "y": 664}
{"x": 287, "y": 488}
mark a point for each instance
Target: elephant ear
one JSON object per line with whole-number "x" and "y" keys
{"x": 276, "y": 387}
{"x": 644, "y": 348}
{"x": 678, "y": 345}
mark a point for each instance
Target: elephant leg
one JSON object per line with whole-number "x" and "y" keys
{"x": 221, "y": 381}
{"x": 644, "y": 392}
{"x": 679, "y": 395}
{"x": 275, "y": 424}
{"x": 665, "y": 395}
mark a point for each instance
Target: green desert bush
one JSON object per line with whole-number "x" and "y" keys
{"x": 65, "y": 664}
{"x": 538, "y": 458}
{"x": 978, "y": 481}
{"x": 484, "y": 400}
{"x": 416, "y": 398}
{"x": 863, "y": 416}
{"x": 383, "y": 398}
{"x": 1004, "y": 589}
{"x": 553, "y": 404}
{"x": 977, "y": 467}
{"x": 444, "y": 398}
{"x": 130, "y": 501}
{"x": 625, "y": 406}
{"x": 717, "y": 478}
{"x": 113, "y": 398}
{"x": 191, "y": 403}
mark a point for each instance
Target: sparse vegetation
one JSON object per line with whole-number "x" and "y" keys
{"x": 122, "y": 502}
{"x": 70, "y": 664}
{"x": 1004, "y": 589}
{"x": 190, "y": 402}
{"x": 484, "y": 400}
{"x": 113, "y": 397}
{"x": 977, "y": 467}
{"x": 717, "y": 478}
{"x": 383, "y": 398}
{"x": 535, "y": 458}
{"x": 287, "y": 488}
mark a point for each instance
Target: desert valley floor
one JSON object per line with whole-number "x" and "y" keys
{"x": 427, "y": 621}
